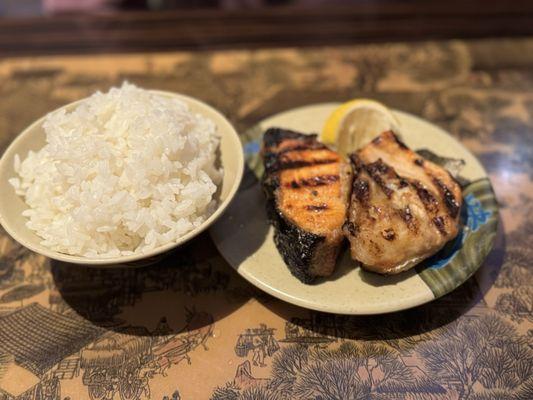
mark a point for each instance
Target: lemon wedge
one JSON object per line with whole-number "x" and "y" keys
{"x": 355, "y": 123}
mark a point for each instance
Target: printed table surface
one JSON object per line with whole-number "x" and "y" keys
{"x": 190, "y": 328}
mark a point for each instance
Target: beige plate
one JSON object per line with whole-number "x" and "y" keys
{"x": 245, "y": 238}
{"x": 33, "y": 138}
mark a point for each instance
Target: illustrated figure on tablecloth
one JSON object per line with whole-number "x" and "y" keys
{"x": 260, "y": 341}
{"x": 172, "y": 349}
{"x": 259, "y": 350}
{"x": 146, "y": 373}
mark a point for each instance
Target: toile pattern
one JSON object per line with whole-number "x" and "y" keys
{"x": 188, "y": 327}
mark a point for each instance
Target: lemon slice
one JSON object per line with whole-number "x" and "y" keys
{"x": 356, "y": 122}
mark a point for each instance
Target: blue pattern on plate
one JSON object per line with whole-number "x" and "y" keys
{"x": 251, "y": 147}
{"x": 437, "y": 262}
{"x": 476, "y": 216}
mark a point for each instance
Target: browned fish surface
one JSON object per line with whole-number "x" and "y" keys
{"x": 403, "y": 208}
{"x": 307, "y": 187}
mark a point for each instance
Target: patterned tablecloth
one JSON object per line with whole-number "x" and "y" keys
{"x": 191, "y": 328}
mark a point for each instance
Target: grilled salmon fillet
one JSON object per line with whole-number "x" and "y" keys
{"x": 403, "y": 208}
{"x": 307, "y": 188}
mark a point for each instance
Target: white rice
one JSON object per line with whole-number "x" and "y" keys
{"x": 123, "y": 173}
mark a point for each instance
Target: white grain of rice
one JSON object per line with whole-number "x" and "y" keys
{"x": 123, "y": 173}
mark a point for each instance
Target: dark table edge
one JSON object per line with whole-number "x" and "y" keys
{"x": 130, "y": 32}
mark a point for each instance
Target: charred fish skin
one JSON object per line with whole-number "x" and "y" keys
{"x": 295, "y": 245}
{"x": 305, "y": 203}
{"x": 403, "y": 208}
{"x": 279, "y": 143}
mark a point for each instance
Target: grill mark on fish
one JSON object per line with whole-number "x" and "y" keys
{"x": 361, "y": 190}
{"x": 350, "y": 227}
{"x": 316, "y": 207}
{"x": 449, "y": 198}
{"x": 356, "y": 162}
{"x": 376, "y": 170}
{"x": 439, "y": 223}
{"x": 382, "y": 185}
{"x": 293, "y": 164}
{"x": 429, "y": 201}
{"x": 378, "y": 167}
{"x": 388, "y": 234}
{"x": 320, "y": 180}
{"x": 407, "y": 216}
{"x": 300, "y": 147}
{"x": 399, "y": 142}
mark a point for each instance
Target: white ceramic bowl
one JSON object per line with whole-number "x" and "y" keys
{"x": 33, "y": 138}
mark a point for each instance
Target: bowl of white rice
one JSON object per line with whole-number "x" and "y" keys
{"x": 119, "y": 177}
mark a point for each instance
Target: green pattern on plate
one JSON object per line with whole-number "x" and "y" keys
{"x": 461, "y": 258}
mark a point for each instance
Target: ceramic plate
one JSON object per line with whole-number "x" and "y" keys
{"x": 245, "y": 238}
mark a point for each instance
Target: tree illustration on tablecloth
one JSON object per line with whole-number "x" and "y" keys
{"x": 228, "y": 392}
{"x": 515, "y": 271}
{"x": 483, "y": 352}
{"x": 246, "y": 387}
{"x": 286, "y": 367}
{"x": 517, "y": 303}
{"x": 360, "y": 371}
{"x": 523, "y": 392}
{"x": 353, "y": 370}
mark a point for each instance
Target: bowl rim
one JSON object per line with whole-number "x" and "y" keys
{"x": 10, "y": 152}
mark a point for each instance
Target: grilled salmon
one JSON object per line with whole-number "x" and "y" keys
{"x": 307, "y": 188}
{"x": 403, "y": 207}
